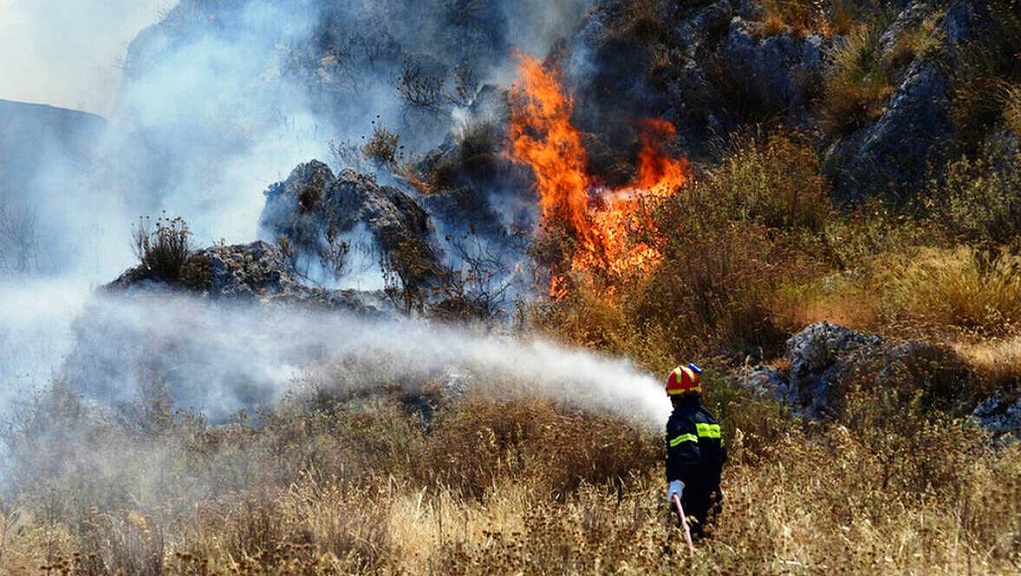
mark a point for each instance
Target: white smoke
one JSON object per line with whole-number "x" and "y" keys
{"x": 202, "y": 122}
{"x": 68, "y": 53}
{"x": 35, "y": 333}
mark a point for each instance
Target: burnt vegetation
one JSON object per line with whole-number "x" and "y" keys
{"x": 763, "y": 240}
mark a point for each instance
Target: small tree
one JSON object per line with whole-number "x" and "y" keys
{"x": 162, "y": 250}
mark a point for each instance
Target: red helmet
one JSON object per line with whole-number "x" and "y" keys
{"x": 684, "y": 380}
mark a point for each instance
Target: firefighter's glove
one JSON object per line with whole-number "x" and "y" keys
{"x": 676, "y": 487}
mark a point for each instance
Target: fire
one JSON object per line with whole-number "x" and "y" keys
{"x": 657, "y": 171}
{"x": 542, "y": 136}
{"x": 603, "y": 221}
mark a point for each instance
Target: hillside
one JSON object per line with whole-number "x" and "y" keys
{"x": 38, "y": 145}
{"x": 479, "y": 237}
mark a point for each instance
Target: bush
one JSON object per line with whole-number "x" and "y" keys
{"x": 736, "y": 238}
{"x": 774, "y": 178}
{"x": 858, "y": 84}
{"x": 978, "y": 200}
{"x": 163, "y": 250}
{"x": 383, "y": 147}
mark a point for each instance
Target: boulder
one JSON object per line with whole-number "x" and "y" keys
{"x": 822, "y": 357}
{"x": 313, "y": 212}
{"x": 1000, "y": 416}
{"x": 826, "y": 361}
{"x": 776, "y": 73}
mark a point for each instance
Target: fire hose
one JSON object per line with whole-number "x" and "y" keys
{"x": 684, "y": 524}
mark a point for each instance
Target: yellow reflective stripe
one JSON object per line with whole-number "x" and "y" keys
{"x": 708, "y": 430}
{"x": 684, "y": 390}
{"x": 683, "y": 438}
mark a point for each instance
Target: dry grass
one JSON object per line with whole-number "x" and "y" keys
{"x": 997, "y": 363}
{"x": 805, "y": 17}
{"x": 1012, "y": 109}
{"x": 801, "y": 17}
{"x": 952, "y": 288}
{"x": 858, "y": 85}
{"x": 888, "y": 490}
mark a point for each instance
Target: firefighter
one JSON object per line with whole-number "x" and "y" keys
{"x": 695, "y": 451}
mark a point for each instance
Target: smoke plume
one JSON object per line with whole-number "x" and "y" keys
{"x": 216, "y": 102}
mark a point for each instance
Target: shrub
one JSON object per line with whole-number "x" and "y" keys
{"x": 735, "y": 238}
{"x": 163, "y": 250}
{"x": 383, "y": 147}
{"x": 858, "y": 84}
{"x": 978, "y": 200}
{"x": 416, "y": 87}
{"x": 477, "y": 137}
{"x": 774, "y": 179}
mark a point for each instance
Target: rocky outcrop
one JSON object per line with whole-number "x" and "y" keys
{"x": 891, "y": 156}
{"x": 247, "y": 272}
{"x": 824, "y": 362}
{"x": 314, "y": 215}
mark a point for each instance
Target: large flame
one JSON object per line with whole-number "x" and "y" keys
{"x": 603, "y": 221}
{"x": 543, "y": 137}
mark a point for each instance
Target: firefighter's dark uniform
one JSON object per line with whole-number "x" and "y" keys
{"x": 695, "y": 456}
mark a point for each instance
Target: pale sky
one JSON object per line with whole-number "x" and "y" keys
{"x": 66, "y": 52}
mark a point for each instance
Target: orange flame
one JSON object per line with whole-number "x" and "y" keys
{"x": 657, "y": 171}
{"x": 604, "y": 221}
{"x": 542, "y": 136}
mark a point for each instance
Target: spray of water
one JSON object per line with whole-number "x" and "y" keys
{"x": 219, "y": 359}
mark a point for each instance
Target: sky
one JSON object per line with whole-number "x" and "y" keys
{"x": 67, "y": 53}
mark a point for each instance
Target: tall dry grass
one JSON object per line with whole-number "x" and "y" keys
{"x": 522, "y": 485}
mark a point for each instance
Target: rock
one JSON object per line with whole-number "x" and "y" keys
{"x": 247, "y": 272}
{"x": 826, "y": 360}
{"x": 775, "y": 73}
{"x": 822, "y": 357}
{"x": 999, "y": 416}
{"x": 765, "y": 381}
{"x": 891, "y": 156}
{"x": 313, "y": 210}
